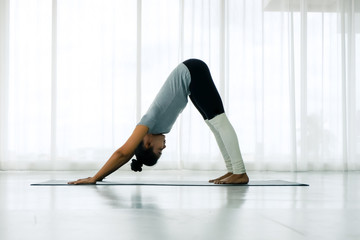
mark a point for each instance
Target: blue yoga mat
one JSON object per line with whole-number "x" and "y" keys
{"x": 173, "y": 183}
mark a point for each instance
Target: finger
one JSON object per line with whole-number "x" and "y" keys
{"x": 72, "y": 182}
{"x": 79, "y": 181}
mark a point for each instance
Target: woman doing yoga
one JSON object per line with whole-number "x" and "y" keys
{"x": 191, "y": 79}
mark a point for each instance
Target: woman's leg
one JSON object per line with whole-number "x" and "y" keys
{"x": 221, "y": 145}
{"x": 205, "y": 97}
{"x": 228, "y": 137}
{"x": 226, "y": 132}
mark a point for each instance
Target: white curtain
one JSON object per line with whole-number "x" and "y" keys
{"x": 77, "y": 75}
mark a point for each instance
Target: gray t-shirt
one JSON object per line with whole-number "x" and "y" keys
{"x": 169, "y": 102}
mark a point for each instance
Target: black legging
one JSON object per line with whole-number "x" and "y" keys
{"x": 203, "y": 92}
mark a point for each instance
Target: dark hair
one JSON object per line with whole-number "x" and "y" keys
{"x": 144, "y": 156}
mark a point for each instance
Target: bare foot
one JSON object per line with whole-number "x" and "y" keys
{"x": 235, "y": 179}
{"x": 219, "y": 178}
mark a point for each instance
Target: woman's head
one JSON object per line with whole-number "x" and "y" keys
{"x": 148, "y": 151}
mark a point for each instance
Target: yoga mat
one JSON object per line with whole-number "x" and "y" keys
{"x": 174, "y": 183}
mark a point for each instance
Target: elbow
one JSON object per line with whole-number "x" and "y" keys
{"x": 123, "y": 154}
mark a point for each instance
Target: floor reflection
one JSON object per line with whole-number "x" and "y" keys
{"x": 149, "y": 197}
{"x": 329, "y": 207}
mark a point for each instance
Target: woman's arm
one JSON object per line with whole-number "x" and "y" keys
{"x": 119, "y": 157}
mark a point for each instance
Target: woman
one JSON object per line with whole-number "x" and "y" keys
{"x": 191, "y": 78}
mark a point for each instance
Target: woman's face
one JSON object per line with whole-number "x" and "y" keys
{"x": 156, "y": 141}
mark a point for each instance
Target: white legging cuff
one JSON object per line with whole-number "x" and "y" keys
{"x": 221, "y": 145}
{"x": 229, "y": 144}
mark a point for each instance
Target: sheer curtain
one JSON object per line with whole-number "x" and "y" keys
{"x": 77, "y": 75}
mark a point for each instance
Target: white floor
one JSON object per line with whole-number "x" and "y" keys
{"x": 328, "y": 209}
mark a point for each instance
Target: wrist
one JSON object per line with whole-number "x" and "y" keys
{"x": 96, "y": 178}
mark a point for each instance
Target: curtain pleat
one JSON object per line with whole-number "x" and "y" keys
{"x": 4, "y": 76}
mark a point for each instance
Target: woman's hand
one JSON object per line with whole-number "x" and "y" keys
{"x": 89, "y": 180}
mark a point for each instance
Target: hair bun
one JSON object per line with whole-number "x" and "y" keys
{"x": 136, "y": 165}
